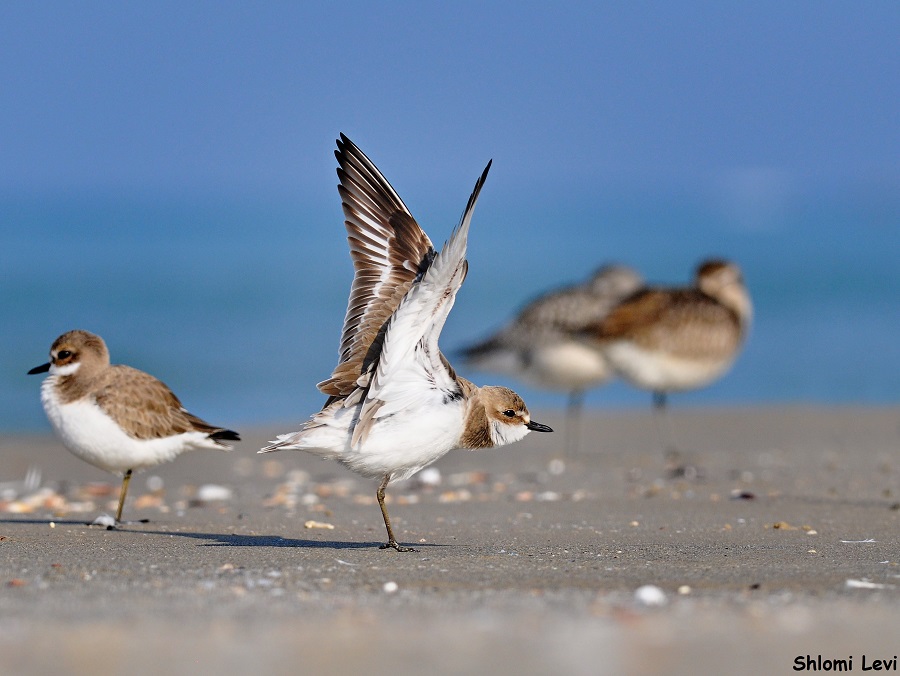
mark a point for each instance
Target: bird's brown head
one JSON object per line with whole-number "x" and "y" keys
{"x": 75, "y": 351}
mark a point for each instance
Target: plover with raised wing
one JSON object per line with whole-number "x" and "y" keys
{"x": 116, "y": 417}
{"x": 395, "y": 404}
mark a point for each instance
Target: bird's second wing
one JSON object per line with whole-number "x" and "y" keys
{"x": 410, "y": 367}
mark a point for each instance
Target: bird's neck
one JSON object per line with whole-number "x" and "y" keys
{"x": 476, "y": 425}
{"x": 736, "y": 299}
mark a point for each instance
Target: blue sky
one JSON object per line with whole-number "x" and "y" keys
{"x": 248, "y": 97}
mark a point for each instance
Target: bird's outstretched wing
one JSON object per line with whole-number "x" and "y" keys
{"x": 389, "y": 251}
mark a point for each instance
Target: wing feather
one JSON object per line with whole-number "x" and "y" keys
{"x": 146, "y": 408}
{"x": 389, "y": 251}
{"x": 411, "y": 365}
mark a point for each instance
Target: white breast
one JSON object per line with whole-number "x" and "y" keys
{"x": 93, "y": 436}
{"x": 400, "y": 444}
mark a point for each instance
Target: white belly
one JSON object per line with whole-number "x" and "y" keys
{"x": 661, "y": 372}
{"x": 400, "y": 445}
{"x": 93, "y": 436}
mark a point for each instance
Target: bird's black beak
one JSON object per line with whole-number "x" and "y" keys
{"x": 537, "y": 427}
{"x": 43, "y": 368}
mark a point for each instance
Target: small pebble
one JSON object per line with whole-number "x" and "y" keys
{"x": 864, "y": 584}
{"x": 430, "y": 476}
{"x": 318, "y": 524}
{"x": 104, "y": 520}
{"x": 212, "y": 492}
{"x": 556, "y": 467}
{"x": 390, "y": 587}
{"x": 650, "y": 595}
{"x": 738, "y": 494}
{"x": 783, "y": 525}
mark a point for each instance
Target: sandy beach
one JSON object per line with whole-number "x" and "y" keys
{"x": 783, "y": 548}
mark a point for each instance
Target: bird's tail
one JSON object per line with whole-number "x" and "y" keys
{"x": 479, "y": 350}
{"x": 225, "y": 435}
{"x": 220, "y": 436}
{"x": 493, "y": 355}
{"x": 283, "y": 442}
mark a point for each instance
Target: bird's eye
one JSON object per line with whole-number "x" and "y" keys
{"x": 509, "y": 413}
{"x": 63, "y": 354}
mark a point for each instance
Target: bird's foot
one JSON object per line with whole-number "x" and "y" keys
{"x": 392, "y": 544}
{"x": 104, "y": 520}
{"x": 680, "y": 467}
{"x": 672, "y": 456}
{"x": 686, "y": 472}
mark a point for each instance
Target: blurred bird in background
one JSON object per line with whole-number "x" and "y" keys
{"x": 542, "y": 345}
{"x": 672, "y": 339}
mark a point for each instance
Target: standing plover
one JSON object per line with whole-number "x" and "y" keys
{"x": 674, "y": 339}
{"x": 116, "y": 417}
{"x": 395, "y": 405}
{"x": 542, "y": 346}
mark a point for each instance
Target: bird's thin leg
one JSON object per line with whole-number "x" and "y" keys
{"x": 676, "y": 465}
{"x": 573, "y": 422}
{"x": 664, "y": 427}
{"x": 392, "y": 542}
{"x": 659, "y": 400}
{"x": 125, "y": 482}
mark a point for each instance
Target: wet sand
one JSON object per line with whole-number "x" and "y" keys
{"x": 784, "y": 546}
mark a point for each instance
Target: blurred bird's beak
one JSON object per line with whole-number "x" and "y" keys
{"x": 43, "y": 368}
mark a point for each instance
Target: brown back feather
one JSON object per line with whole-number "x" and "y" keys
{"x": 684, "y": 322}
{"x": 144, "y": 406}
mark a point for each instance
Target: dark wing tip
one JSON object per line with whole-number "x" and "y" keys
{"x": 346, "y": 147}
{"x": 225, "y": 435}
{"x": 479, "y": 184}
{"x": 485, "y": 172}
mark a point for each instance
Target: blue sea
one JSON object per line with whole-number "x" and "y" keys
{"x": 237, "y": 301}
